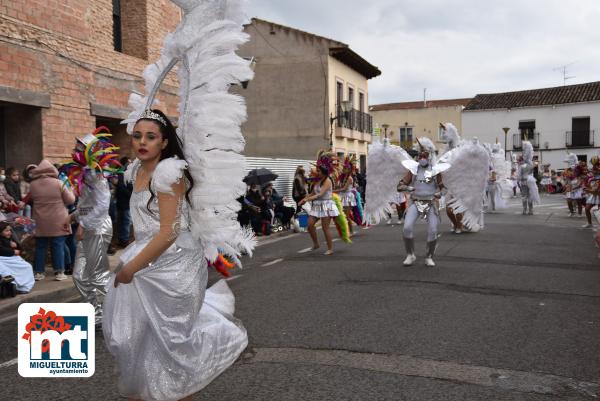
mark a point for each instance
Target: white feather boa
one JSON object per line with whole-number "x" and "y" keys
{"x": 167, "y": 173}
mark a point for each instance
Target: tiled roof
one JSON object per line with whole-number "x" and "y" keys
{"x": 420, "y": 104}
{"x": 588, "y": 92}
{"x": 349, "y": 57}
{"x": 337, "y": 49}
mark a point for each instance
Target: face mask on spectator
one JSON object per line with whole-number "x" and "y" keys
{"x": 2, "y": 178}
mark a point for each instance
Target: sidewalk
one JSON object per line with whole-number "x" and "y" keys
{"x": 49, "y": 290}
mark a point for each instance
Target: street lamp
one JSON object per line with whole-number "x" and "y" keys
{"x": 505, "y": 129}
{"x": 385, "y": 128}
{"x": 346, "y": 108}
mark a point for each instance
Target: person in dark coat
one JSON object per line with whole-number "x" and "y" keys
{"x": 123, "y": 191}
{"x": 282, "y": 212}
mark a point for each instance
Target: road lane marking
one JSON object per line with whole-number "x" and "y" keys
{"x": 271, "y": 263}
{"x": 305, "y": 250}
{"x": 406, "y": 365}
{"x": 233, "y": 277}
{"x": 274, "y": 240}
{"x": 9, "y": 363}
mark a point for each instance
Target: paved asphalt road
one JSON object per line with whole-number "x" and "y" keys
{"x": 510, "y": 313}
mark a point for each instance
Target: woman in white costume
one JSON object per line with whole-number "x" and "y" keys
{"x": 169, "y": 335}
{"x": 321, "y": 201}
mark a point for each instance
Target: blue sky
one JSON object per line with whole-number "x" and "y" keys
{"x": 454, "y": 48}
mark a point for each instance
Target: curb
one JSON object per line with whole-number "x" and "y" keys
{"x": 10, "y": 308}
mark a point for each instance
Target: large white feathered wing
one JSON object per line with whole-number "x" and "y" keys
{"x": 384, "y": 172}
{"x": 502, "y": 169}
{"x": 466, "y": 180}
{"x": 203, "y": 46}
{"x": 210, "y": 121}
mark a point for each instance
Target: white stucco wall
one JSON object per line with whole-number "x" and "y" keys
{"x": 552, "y": 122}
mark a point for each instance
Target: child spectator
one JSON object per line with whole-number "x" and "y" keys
{"x": 11, "y": 263}
{"x": 13, "y": 184}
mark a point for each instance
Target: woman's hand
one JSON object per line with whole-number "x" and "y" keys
{"x": 302, "y": 201}
{"x": 13, "y": 244}
{"x": 124, "y": 276}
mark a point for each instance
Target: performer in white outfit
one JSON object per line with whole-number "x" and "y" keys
{"x": 88, "y": 174}
{"x": 322, "y": 206}
{"x": 424, "y": 183}
{"x": 529, "y": 190}
{"x": 498, "y": 180}
{"x": 462, "y": 170}
{"x": 170, "y": 335}
{"x": 591, "y": 190}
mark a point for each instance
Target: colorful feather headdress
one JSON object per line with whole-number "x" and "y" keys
{"x": 349, "y": 164}
{"x": 348, "y": 168}
{"x": 94, "y": 152}
{"x": 327, "y": 160}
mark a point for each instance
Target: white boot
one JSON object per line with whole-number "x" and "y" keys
{"x": 409, "y": 245}
{"x": 410, "y": 259}
{"x": 430, "y": 251}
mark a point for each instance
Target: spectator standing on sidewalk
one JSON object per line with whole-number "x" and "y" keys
{"x": 123, "y": 191}
{"x": 300, "y": 188}
{"x": 50, "y": 198}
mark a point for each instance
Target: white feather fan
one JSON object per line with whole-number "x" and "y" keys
{"x": 466, "y": 180}
{"x": 384, "y": 172}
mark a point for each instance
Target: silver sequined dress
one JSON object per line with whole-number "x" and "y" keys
{"x": 169, "y": 334}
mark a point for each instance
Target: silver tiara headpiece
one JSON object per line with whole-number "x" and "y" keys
{"x": 150, "y": 115}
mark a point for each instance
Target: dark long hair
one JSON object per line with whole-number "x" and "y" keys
{"x": 174, "y": 148}
{"x": 325, "y": 173}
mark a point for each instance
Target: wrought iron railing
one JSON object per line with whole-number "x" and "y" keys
{"x": 355, "y": 120}
{"x": 577, "y": 139}
{"x": 533, "y": 137}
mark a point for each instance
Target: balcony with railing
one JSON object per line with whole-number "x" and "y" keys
{"x": 354, "y": 124}
{"x": 579, "y": 139}
{"x": 533, "y": 137}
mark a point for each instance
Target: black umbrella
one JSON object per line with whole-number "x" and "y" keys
{"x": 260, "y": 176}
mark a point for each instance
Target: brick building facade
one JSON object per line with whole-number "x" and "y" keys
{"x": 67, "y": 66}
